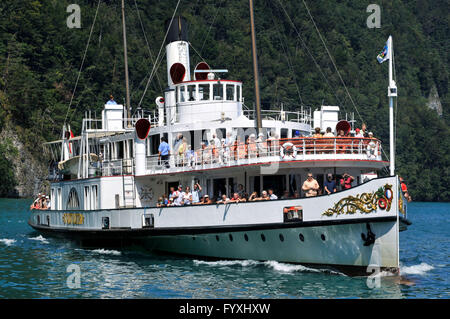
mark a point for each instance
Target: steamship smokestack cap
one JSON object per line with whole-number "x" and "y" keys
{"x": 178, "y": 30}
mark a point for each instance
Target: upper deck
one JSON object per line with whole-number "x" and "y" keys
{"x": 290, "y": 152}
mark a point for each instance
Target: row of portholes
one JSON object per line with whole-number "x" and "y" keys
{"x": 263, "y": 237}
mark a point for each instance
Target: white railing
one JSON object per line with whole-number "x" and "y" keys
{"x": 302, "y": 116}
{"x": 269, "y": 151}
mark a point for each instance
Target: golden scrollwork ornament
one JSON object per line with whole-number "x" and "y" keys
{"x": 364, "y": 203}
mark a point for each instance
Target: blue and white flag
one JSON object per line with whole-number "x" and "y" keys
{"x": 384, "y": 55}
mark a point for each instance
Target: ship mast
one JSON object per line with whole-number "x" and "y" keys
{"x": 392, "y": 92}
{"x": 255, "y": 70}
{"x": 126, "y": 63}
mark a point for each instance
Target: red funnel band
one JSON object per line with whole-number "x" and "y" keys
{"x": 142, "y": 128}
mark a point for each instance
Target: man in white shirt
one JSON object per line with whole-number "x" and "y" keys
{"x": 272, "y": 196}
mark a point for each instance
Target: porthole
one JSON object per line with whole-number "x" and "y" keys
{"x": 281, "y": 237}
{"x": 301, "y": 237}
{"x": 245, "y": 237}
{"x": 323, "y": 237}
{"x": 231, "y": 237}
{"x": 217, "y": 237}
{"x": 263, "y": 238}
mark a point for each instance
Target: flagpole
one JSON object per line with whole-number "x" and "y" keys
{"x": 392, "y": 92}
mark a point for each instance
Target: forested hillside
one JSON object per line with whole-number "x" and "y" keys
{"x": 40, "y": 58}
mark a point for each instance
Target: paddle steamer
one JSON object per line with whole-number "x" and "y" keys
{"x": 107, "y": 181}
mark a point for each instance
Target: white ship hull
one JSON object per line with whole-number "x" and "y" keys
{"x": 330, "y": 232}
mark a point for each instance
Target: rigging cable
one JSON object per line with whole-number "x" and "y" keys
{"x": 288, "y": 58}
{"x": 159, "y": 54}
{"x": 146, "y": 41}
{"x": 310, "y": 54}
{"x": 332, "y": 61}
{"x": 82, "y": 62}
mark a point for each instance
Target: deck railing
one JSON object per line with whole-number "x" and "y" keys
{"x": 239, "y": 153}
{"x": 271, "y": 150}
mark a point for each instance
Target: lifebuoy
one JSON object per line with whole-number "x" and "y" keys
{"x": 288, "y": 151}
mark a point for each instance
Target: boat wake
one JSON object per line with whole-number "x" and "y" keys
{"x": 274, "y": 265}
{"x": 40, "y": 238}
{"x": 7, "y": 242}
{"x": 107, "y": 252}
{"x": 420, "y": 269}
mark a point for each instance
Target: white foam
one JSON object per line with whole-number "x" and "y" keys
{"x": 107, "y": 252}
{"x": 415, "y": 269}
{"x": 275, "y": 265}
{"x": 243, "y": 263}
{"x": 8, "y": 242}
{"x": 40, "y": 238}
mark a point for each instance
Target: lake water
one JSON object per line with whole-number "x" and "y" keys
{"x": 32, "y": 266}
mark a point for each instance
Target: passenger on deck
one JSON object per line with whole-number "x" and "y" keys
{"x": 285, "y": 195}
{"x": 317, "y": 133}
{"x": 47, "y": 204}
{"x": 223, "y": 200}
{"x": 364, "y": 131}
{"x": 329, "y": 141}
{"x": 358, "y": 133}
{"x": 251, "y": 146}
{"x": 330, "y": 185}
{"x": 160, "y": 202}
{"x": 164, "y": 152}
{"x": 187, "y": 196}
{"x": 346, "y": 181}
{"x": 264, "y": 196}
{"x": 236, "y": 198}
{"x": 196, "y": 193}
{"x": 296, "y": 194}
{"x": 405, "y": 189}
{"x": 272, "y": 196}
{"x": 206, "y": 199}
{"x": 241, "y": 190}
{"x": 261, "y": 145}
{"x": 253, "y": 197}
{"x": 111, "y": 100}
{"x": 179, "y": 199}
{"x": 310, "y": 186}
{"x": 181, "y": 152}
{"x": 229, "y": 141}
{"x": 371, "y": 147}
{"x": 328, "y": 133}
{"x": 36, "y": 204}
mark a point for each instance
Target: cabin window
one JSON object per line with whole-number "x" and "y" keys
{"x": 94, "y": 196}
{"x": 153, "y": 142}
{"x": 284, "y": 133}
{"x": 203, "y": 90}
{"x": 191, "y": 92}
{"x": 87, "y": 198}
{"x": 73, "y": 202}
{"x": 218, "y": 92}
{"x": 219, "y": 187}
{"x": 230, "y": 92}
{"x": 52, "y": 199}
{"x": 238, "y": 92}
{"x": 182, "y": 94}
{"x": 275, "y": 182}
{"x": 59, "y": 199}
